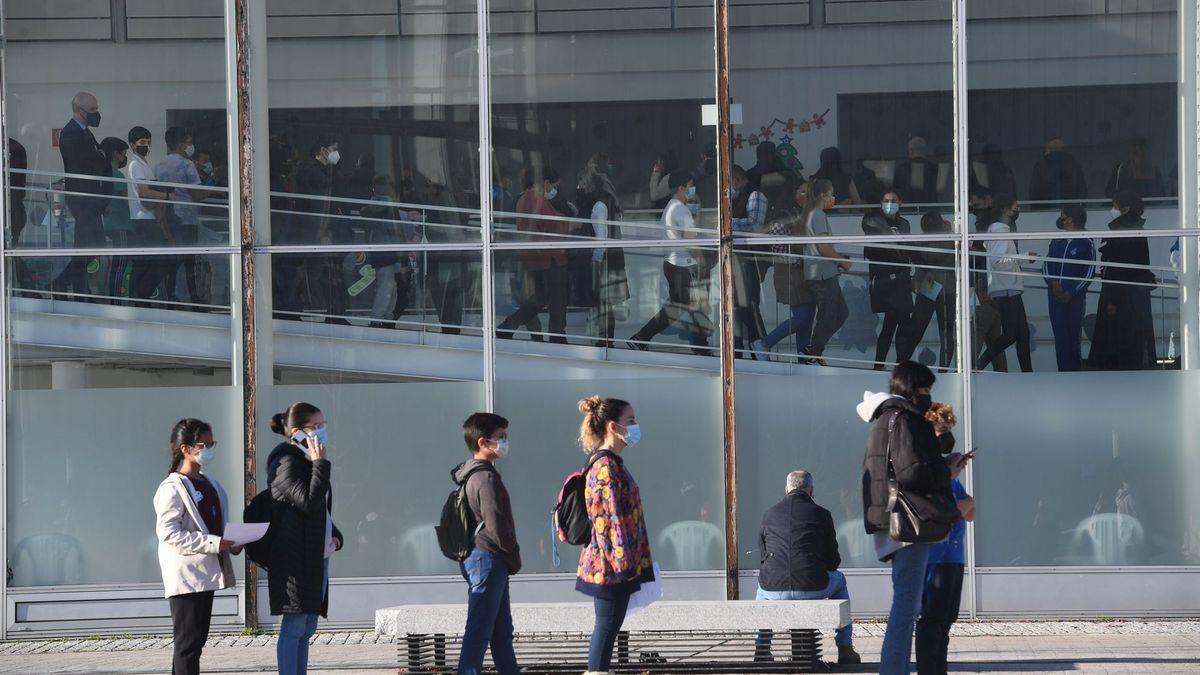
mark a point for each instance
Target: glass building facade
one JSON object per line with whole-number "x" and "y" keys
{"x": 451, "y": 257}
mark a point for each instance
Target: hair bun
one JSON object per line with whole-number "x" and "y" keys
{"x": 590, "y": 405}
{"x": 277, "y": 423}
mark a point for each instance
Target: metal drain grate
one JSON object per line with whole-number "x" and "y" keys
{"x": 639, "y": 652}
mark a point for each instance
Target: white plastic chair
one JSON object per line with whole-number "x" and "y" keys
{"x": 1110, "y": 536}
{"x": 420, "y": 551}
{"x": 49, "y": 560}
{"x": 692, "y": 542}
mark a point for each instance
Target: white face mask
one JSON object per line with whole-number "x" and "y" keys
{"x": 891, "y": 208}
{"x": 551, "y": 193}
{"x": 333, "y": 157}
{"x": 691, "y": 192}
{"x": 206, "y": 456}
{"x": 502, "y": 448}
{"x": 189, "y": 150}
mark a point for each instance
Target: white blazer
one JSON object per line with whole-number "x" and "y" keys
{"x": 190, "y": 556}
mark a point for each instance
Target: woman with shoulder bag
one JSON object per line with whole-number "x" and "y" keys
{"x": 904, "y": 461}
{"x": 191, "y": 510}
{"x": 303, "y": 534}
{"x": 616, "y": 562}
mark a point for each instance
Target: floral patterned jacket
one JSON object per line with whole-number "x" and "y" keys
{"x": 618, "y": 555}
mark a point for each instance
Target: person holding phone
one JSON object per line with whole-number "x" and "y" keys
{"x": 191, "y": 510}
{"x": 303, "y": 534}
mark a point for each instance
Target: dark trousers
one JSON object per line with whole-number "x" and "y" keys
{"x": 939, "y": 611}
{"x": 610, "y": 614}
{"x": 549, "y": 291}
{"x": 831, "y": 313}
{"x": 1016, "y": 331}
{"x": 893, "y": 321}
{"x": 447, "y": 283}
{"x": 89, "y": 233}
{"x": 747, "y": 300}
{"x": 186, "y": 234}
{"x": 148, "y": 271}
{"x": 678, "y": 308}
{"x": 191, "y": 614}
{"x": 1066, "y": 319}
{"x": 924, "y": 310}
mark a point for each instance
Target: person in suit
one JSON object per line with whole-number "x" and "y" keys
{"x": 191, "y": 510}
{"x": 82, "y": 156}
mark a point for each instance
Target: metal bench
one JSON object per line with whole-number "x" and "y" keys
{"x": 675, "y": 637}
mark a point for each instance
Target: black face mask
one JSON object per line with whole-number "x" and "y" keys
{"x": 142, "y": 150}
{"x": 923, "y": 401}
{"x": 92, "y": 118}
{"x": 1061, "y": 223}
{"x": 946, "y": 440}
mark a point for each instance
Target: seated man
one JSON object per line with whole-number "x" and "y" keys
{"x": 800, "y": 558}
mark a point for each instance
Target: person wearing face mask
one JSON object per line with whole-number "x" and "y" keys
{"x": 322, "y": 224}
{"x": 86, "y": 199}
{"x": 823, "y": 270}
{"x": 944, "y": 569}
{"x": 191, "y": 510}
{"x": 544, "y": 271}
{"x": 1006, "y": 285}
{"x": 680, "y": 269}
{"x": 889, "y": 277}
{"x": 116, "y": 220}
{"x": 901, "y": 448}
{"x": 496, "y": 556}
{"x": 303, "y": 537}
{"x": 183, "y": 216}
{"x": 749, "y": 214}
{"x": 616, "y": 561}
{"x": 1067, "y": 282}
{"x": 145, "y": 216}
{"x": 1124, "y": 334}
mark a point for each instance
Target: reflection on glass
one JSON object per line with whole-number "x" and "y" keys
{"x": 629, "y": 298}
{"x": 1057, "y": 122}
{"x": 405, "y": 290}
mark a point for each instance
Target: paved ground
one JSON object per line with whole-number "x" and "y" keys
{"x": 985, "y": 647}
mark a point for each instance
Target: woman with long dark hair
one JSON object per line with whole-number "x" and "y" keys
{"x": 303, "y": 536}
{"x": 1124, "y": 335}
{"x": 889, "y": 279}
{"x": 191, "y": 510}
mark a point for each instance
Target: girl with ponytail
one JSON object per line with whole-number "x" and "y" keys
{"x": 616, "y": 562}
{"x": 191, "y": 510}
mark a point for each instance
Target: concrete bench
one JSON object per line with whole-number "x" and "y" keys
{"x": 668, "y": 636}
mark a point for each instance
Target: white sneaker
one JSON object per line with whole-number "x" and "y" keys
{"x": 760, "y": 350}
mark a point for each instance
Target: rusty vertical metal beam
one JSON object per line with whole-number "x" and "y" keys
{"x": 246, "y": 240}
{"x": 728, "y": 413}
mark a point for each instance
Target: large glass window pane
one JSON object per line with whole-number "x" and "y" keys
{"x": 373, "y": 113}
{"x": 94, "y": 389}
{"x": 143, "y": 77}
{"x": 857, "y": 93}
{"x": 606, "y": 99}
{"x": 1073, "y": 102}
{"x": 392, "y": 383}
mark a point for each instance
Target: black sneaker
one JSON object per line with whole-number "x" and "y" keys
{"x": 848, "y": 657}
{"x": 634, "y": 343}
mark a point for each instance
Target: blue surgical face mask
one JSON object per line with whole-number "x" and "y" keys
{"x": 891, "y": 208}
{"x": 301, "y": 439}
{"x": 633, "y": 434}
{"x": 734, "y": 192}
{"x": 206, "y": 456}
{"x": 551, "y": 193}
{"x": 691, "y": 192}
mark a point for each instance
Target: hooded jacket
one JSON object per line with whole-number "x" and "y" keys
{"x": 489, "y": 501}
{"x": 916, "y": 455}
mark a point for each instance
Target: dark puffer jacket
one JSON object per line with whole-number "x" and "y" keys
{"x": 917, "y": 457}
{"x": 303, "y": 496}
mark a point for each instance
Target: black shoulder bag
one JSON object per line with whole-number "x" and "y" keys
{"x": 916, "y": 518}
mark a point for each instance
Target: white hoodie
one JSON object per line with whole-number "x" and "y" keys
{"x": 870, "y": 403}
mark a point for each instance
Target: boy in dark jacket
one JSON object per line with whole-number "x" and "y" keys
{"x": 496, "y": 555}
{"x": 799, "y": 549}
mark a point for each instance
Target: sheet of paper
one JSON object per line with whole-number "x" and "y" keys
{"x": 245, "y": 533}
{"x": 932, "y": 290}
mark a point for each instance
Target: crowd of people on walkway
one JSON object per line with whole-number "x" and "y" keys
{"x": 913, "y": 505}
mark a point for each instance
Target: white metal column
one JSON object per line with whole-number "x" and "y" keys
{"x": 1189, "y": 147}
{"x": 485, "y": 208}
{"x": 5, "y": 364}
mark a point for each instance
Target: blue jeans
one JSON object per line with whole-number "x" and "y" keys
{"x": 489, "y": 615}
{"x": 610, "y": 614}
{"x": 800, "y": 323}
{"x": 294, "y": 631}
{"x": 908, "y": 585}
{"x": 1067, "y": 322}
{"x": 836, "y": 590}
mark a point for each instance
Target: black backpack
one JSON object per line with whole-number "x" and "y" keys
{"x": 570, "y": 516}
{"x": 261, "y": 509}
{"x": 456, "y": 529}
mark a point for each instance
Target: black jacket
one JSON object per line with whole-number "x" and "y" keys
{"x": 916, "y": 455}
{"x": 303, "y": 496}
{"x": 798, "y": 544}
{"x": 81, "y": 154}
{"x": 889, "y": 279}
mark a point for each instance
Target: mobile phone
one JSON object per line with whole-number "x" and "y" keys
{"x": 971, "y": 454}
